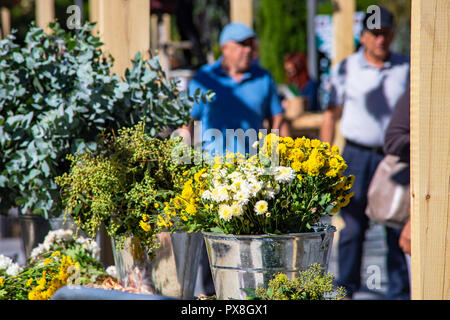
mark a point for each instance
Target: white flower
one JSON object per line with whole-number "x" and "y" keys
{"x": 111, "y": 270}
{"x": 90, "y": 245}
{"x": 236, "y": 175}
{"x": 220, "y": 194}
{"x": 238, "y": 184}
{"x": 225, "y": 212}
{"x": 36, "y": 252}
{"x": 242, "y": 197}
{"x": 5, "y": 262}
{"x": 13, "y": 270}
{"x": 261, "y": 207}
{"x": 236, "y": 209}
{"x": 284, "y": 174}
{"x": 254, "y": 187}
{"x": 207, "y": 195}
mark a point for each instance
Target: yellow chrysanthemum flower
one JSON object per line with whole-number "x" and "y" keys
{"x": 145, "y": 226}
{"x": 191, "y": 209}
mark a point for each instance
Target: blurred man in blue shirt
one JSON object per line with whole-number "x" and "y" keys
{"x": 245, "y": 96}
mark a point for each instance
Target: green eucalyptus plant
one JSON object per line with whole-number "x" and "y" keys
{"x": 57, "y": 94}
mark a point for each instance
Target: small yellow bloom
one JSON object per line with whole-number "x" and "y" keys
{"x": 191, "y": 209}
{"x": 289, "y": 142}
{"x": 156, "y": 205}
{"x": 145, "y": 226}
{"x": 315, "y": 143}
{"x": 187, "y": 192}
{"x": 2, "y": 281}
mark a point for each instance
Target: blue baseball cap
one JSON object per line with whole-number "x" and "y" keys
{"x": 235, "y": 31}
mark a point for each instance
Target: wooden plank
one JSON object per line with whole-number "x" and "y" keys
{"x": 242, "y": 11}
{"x": 6, "y": 22}
{"x": 45, "y": 13}
{"x": 343, "y": 45}
{"x": 343, "y": 42}
{"x": 124, "y": 28}
{"x": 94, "y": 14}
{"x": 430, "y": 149}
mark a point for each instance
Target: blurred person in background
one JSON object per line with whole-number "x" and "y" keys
{"x": 365, "y": 89}
{"x": 299, "y": 81}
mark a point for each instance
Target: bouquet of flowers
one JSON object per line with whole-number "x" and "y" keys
{"x": 39, "y": 281}
{"x": 62, "y": 259}
{"x": 285, "y": 188}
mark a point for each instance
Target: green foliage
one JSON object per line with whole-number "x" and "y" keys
{"x": 281, "y": 26}
{"x": 57, "y": 94}
{"x": 311, "y": 284}
{"x": 122, "y": 184}
{"x": 50, "y": 94}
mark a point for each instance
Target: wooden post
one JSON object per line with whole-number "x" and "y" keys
{"x": 242, "y": 11}
{"x": 124, "y": 28}
{"x": 45, "y": 13}
{"x": 430, "y": 149}
{"x": 343, "y": 45}
{"x": 6, "y": 22}
{"x": 343, "y": 42}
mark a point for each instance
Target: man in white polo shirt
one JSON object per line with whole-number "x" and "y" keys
{"x": 366, "y": 88}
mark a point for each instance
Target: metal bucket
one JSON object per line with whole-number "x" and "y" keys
{"x": 250, "y": 261}
{"x": 33, "y": 228}
{"x": 171, "y": 273}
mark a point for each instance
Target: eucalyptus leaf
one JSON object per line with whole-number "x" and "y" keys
{"x": 58, "y": 94}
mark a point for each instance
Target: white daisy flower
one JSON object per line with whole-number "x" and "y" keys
{"x": 220, "y": 194}
{"x": 284, "y": 174}
{"x": 225, "y": 212}
{"x": 261, "y": 207}
{"x": 236, "y": 209}
{"x": 241, "y": 197}
{"x": 255, "y": 187}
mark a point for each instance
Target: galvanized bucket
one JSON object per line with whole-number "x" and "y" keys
{"x": 34, "y": 228}
{"x": 250, "y": 261}
{"x": 171, "y": 273}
